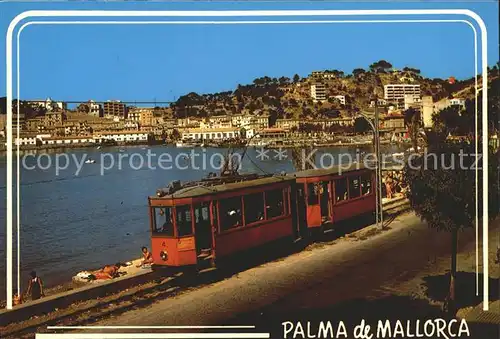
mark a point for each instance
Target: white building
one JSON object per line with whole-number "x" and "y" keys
{"x": 412, "y": 101}
{"x": 67, "y": 140}
{"x": 122, "y": 136}
{"x": 94, "y": 109}
{"x": 211, "y": 134}
{"x": 340, "y": 98}
{"x": 380, "y": 103}
{"x": 457, "y": 102}
{"x": 318, "y": 92}
{"x": 397, "y": 92}
{"x": 49, "y": 104}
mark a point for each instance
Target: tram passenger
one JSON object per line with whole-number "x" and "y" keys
{"x": 35, "y": 287}
{"x": 148, "y": 257}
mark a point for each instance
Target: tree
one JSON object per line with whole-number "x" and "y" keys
{"x": 442, "y": 192}
{"x": 380, "y": 66}
{"x": 413, "y": 121}
{"x": 357, "y": 72}
{"x": 361, "y": 125}
{"x": 296, "y": 78}
{"x": 448, "y": 120}
{"x": 176, "y": 135}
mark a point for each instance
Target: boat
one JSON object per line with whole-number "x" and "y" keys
{"x": 185, "y": 144}
{"x": 90, "y": 161}
{"x": 98, "y": 147}
{"x": 121, "y": 150}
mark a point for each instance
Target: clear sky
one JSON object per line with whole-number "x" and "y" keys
{"x": 162, "y": 62}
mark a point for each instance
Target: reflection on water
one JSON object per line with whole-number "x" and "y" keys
{"x": 70, "y": 223}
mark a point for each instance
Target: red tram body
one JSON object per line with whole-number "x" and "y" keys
{"x": 327, "y": 196}
{"x": 194, "y": 226}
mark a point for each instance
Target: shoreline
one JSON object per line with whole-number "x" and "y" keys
{"x": 72, "y": 284}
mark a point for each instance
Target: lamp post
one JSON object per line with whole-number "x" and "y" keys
{"x": 378, "y": 168}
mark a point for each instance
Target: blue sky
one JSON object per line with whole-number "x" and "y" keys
{"x": 162, "y": 62}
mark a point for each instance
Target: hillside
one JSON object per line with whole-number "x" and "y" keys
{"x": 286, "y": 98}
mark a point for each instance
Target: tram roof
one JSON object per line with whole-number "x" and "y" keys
{"x": 196, "y": 191}
{"x": 333, "y": 170}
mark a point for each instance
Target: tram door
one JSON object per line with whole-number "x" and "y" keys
{"x": 203, "y": 234}
{"x": 302, "y": 210}
{"x": 325, "y": 201}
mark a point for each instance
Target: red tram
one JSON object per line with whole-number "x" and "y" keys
{"x": 193, "y": 225}
{"x": 327, "y": 196}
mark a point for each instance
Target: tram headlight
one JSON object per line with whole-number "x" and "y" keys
{"x": 164, "y": 255}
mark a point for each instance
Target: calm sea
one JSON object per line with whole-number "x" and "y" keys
{"x": 77, "y": 221}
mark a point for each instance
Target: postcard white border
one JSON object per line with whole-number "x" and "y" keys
{"x": 248, "y": 13}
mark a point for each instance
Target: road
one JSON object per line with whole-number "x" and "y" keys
{"x": 399, "y": 273}
{"x": 390, "y": 275}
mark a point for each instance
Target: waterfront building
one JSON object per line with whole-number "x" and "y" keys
{"x": 273, "y": 133}
{"x": 220, "y": 121}
{"x": 189, "y": 122}
{"x": 114, "y": 109}
{"x": 121, "y": 136}
{"x": 67, "y": 140}
{"x": 146, "y": 116}
{"x": 287, "y": 124}
{"x": 211, "y": 133}
{"x": 25, "y": 139}
{"x": 318, "y": 91}
{"x": 55, "y": 118}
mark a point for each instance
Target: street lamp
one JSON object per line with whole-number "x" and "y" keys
{"x": 378, "y": 169}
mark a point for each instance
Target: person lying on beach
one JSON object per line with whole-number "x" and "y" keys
{"x": 148, "y": 257}
{"x": 108, "y": 272}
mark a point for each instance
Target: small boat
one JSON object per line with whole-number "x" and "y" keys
{"x": 98, "y": 147}
{"x": 90, "y": 161}
{"x": 121, "y": 150}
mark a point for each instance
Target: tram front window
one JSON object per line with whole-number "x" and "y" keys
{"x": 184, "y": 220}
{"x": 164, "y": 221}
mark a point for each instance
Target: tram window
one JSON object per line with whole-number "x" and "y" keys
{"x": 254, "y": 207}
{"x": 354, "y": 187}
{"x": 164, "y": 221}
{"x": 312, "y": 194}
{"x": 184, "y": 220}
{"x": 340, "y": 190}
{"x": 201, "y": 212}
{"x": 274, "y": 203}
{"x": 366, "y": 184}
{"x": 230, "y": 213}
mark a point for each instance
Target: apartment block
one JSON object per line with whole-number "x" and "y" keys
{"x": 318, "y": 91}
{"x": 397, "y": 92}
{"x": 114, "y": 109}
